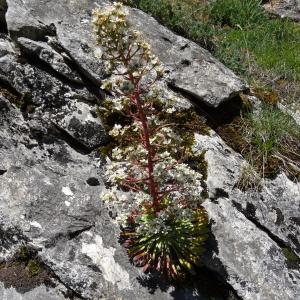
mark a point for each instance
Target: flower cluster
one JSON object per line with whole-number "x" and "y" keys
{"x": 156, "y": 190}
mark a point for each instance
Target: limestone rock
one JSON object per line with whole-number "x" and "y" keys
{"x": 46, "y": 196}
{"x": 48, "y": 55}
{"x": 276, "y": 207}
{"x": 38, "y": 293}
{"x": 22, "y": 23}
{"x": 249, "y": 260}
{"x": 284, "y": 8}
{"x": 224, "y": 164}
{"x": 192, "y": 69}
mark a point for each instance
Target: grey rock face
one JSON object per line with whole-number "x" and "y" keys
{"x": 68, "y": 105}
{"x": 251, "y": 228}
{"x": 284, "y": 8}
{"x": 192, "y": 69}
{"x": 46, "y": 195}
{"x": 21, "y": 22}
{"x": 224, "y": 164}
{"x": 252, "y": 263}
{"x": 72, "y": 24}
{"x": 276, "y": 207}
{"x": 48, "y": 55}
{"x": 39, "y": 293}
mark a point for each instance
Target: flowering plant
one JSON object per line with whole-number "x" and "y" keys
{"x": 158, "y": 192}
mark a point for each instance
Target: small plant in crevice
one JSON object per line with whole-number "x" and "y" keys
{"x": 154, "y": 171}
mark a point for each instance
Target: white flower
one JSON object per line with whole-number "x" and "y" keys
{"x": 170, "y": 110}
{"x": 98, "y": 52}
{"x": 116, "y": 130}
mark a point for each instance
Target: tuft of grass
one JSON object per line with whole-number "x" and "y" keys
{"x": 272, "y": 45}
{"x": 269, "y": 140}
{"x": 237, "y": 12}
{"x": 186, "y": 17}
{"x": 249, "y": 179}
{"x": 272, "y": 141}
{"x": 270, "y": 127}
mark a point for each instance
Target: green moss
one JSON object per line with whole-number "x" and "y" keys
{"x": 189, "y": 120}
{"x": 23, "y": 254}
{"x": 290, "y": 255}
{"x": 233, "y": 135}
{"x": 27, "y": 257}
{"x": 267, "y": 96}
{"x": 34, "y": 267}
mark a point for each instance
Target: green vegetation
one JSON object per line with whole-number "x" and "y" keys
{"x": 240, "y": 33}
{"x": 24, "y": 270}
{"x": 28, "y": 258}
{"x": 290, "y": 256}
{"x": 269, "y": 140}
{"x": 275, "y": 137}
{"x": 269, "y": 128}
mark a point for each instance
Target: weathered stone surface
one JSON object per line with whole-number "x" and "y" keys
{"x": 73, "y": 29}
{"x": 22, "y": 23}
{"x": 284, "y": 8}
{"x": 192, "y": 69}
{"x": 48, "y": 55}
{"x": 39, "y": 293}
{"x": 68, "y": 105}
{"x": 45, "y": 195}
{"x": 249, "y": 260}
{"x": 224, "y": 164}
{"x": 242, "y": 251}
{"x": 6, "y": 47}
{"x": 276, "y": 207}
{"x": 81, "y": 121}
{"x": 41, "y": 88}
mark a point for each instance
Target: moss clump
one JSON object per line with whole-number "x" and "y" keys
{"x": 23, "y": 254}
{"x": 9, "y": 96}
{"x": 266, "y": 96}
{"x": 34, "y": 267}
{"x": 290, "y": 255}
{"x": 27, "y": 257}
{"x": 233, "y": 135}
{"x": 292, "y": 260}
{"x": 188, "y": 120}
{"x": 24, "y": 271}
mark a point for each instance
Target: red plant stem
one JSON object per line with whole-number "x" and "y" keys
{"x": 152, "y": 185}
{"x": 146, "y": 135}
